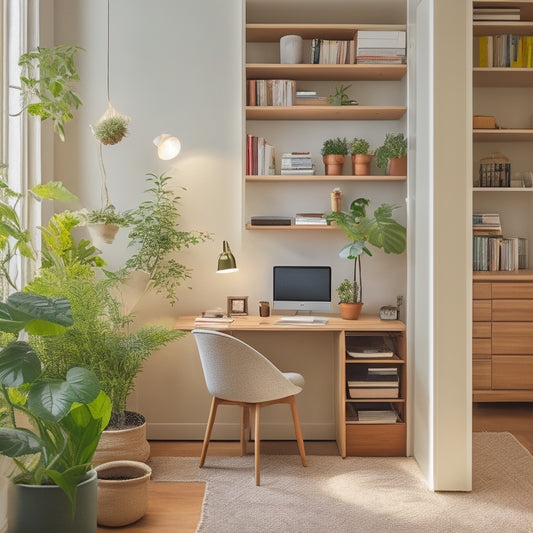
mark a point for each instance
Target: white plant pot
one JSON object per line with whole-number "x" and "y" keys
{"x": 291, "y": 49}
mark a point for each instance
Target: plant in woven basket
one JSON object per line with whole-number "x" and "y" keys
{"x": 111, "y": 130}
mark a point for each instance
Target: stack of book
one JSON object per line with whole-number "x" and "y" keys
{"x": 310, "y": 219}
{"x": 260, "y": 156}
{"x": 271, "y": 92}
{"x": 379, "y": 382}
{"x": 496, "y": 13}
{"x": 310, "y": 98}
{"x": 370, "y": 352}
{"x": 494, "y": 171}
{"x": 386, "y": 47}
{"x": 504, "y": 50}
{"x": 327, "y": 52}
{"x": 297, "y": 163}
{"x": 371, "y": 413}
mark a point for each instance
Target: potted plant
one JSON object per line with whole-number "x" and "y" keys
{"x": 334, "y": 153}
{"x": 341, "y": 97}
{"x": 379, "y": 230}
{"x": 105, "y": 222}
{"x": 349, "y": 305}
{"x": 392, "y": 155}
{"x": 54, "y": 484}
{"x": 361, "y": 157}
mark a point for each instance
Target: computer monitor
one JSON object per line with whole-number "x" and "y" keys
{"x": 302, "y": 288}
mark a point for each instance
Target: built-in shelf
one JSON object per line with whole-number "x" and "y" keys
{"x": 317, "y": 178}
{"x": 503, "y": 189}
{"x": 294, "y": 227}
{"x": 502, "y": 77}
{"x": 342, "y": 112}
{"x": 262, "y": 33}
{"x": 325, "y": 72}
{"x": 489, "y": 27}
{"x": 503, "y": 135}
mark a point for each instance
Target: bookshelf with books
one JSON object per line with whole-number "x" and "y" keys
{"x": 310, "y": 114}
{"x": 502, "y": 278}
{"x": 375, "y": 393}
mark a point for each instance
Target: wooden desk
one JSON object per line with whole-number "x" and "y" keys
{"x": 353, "y": 437}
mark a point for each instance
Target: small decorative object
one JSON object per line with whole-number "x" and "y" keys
{"x": 264, "y": 309}
{"x": 494, "y": 171}
{"x": 388, "y": 312}
{"x": 340, "y": 97}
{"x": 392, "y": 155}
{"x": 349, "y": 304}
{"x": 291, "y": 49}
{"x": 361, "y": 157}
{"x": 336, "y": 200}
{"x": 334, "y": 153}
{"x": 237, "y": 305}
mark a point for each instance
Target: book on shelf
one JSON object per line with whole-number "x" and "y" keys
{"x": 383, "y": 39}
{"x": 306, "y": 94}
{"x": 319, "y": 100}
{"x": 369, "y": 353}
{"x": 270, "y": 220}
{"x": 380, "y": 60}
{"x": 494, "y": 171}
{"x": 310, "y": 219}
{"x": 298, "y": 171}
{"x": 504, "y": 50}
{"x": 371, "y": 413}
{"x": 496, "y": 13}
{"x": 260, "y": 156}
{"x": 373, "y": 392}
{"x": 490, "y": 219}
{"x": 331, "y": 52}
{"x": 493, "y": 253}
{"x": 271, "y": 92}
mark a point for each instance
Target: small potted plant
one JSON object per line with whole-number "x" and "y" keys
{"x": 392, "y": 155}
{"x": 361, "y": 157}
{"x": 341, "y": 97}
{"x": 107, "y": 221}
{"x": 334, "y": 153}
{"x": 349, "y": 304}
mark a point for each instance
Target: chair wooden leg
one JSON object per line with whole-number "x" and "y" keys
{"x": 298, "y": 429}
{"x": 257, "y": 444}
{"x": 208, "y": 429}
{"x": 245, "y": 428}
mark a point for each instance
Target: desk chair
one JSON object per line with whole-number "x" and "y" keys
{"x": 237, "y": 374}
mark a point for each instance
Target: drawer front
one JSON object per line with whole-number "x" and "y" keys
{"x": 481, "y": 290}
{"x": 376, "y": 439}
{"x": 512, "y": 310}
{"x": 514, "y": 338}
{"x": 512, "y": 372}
{"x": 509, "y": 291}
{"x": 481, "y": 347}
{"x": 481, "y": 310}
{"x": 481, "y": 374}
{"x": 481, "y": 330}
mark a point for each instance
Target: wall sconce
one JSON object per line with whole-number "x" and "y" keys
{"x": 168, "y": 146}
{"x": 226, "y": 260}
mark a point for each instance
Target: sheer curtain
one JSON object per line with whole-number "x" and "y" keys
{"x": 21, "y": 135}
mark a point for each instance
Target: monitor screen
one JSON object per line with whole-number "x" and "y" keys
{"x": 302, "y": 288}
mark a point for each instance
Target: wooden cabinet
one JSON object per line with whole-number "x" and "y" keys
{"x": 502, "y": 336}
{"x": 375, "y": 438}
{"x": 287, "y": 133}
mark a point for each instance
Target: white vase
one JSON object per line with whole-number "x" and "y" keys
{"x": 290, "y": 49}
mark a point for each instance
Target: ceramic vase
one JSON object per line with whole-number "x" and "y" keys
{"x": 291, "y": 49}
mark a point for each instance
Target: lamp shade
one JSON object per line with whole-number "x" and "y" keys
{"x": 226, "y": 260}
{"x": 168, "y": 146}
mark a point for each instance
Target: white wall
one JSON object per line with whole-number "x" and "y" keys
{"x": 440, "y": 204}
{"x": 177, "y": 67}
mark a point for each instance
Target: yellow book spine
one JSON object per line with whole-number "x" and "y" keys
{"x": 529, "y": 46}
{"x": 483, "y": 58}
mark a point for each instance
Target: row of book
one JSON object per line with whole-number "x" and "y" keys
{"x": 505, "y": 50}
{"x": 494, "y": 252}
{"x": 494, "y": 175}
{"x": 260, "y": 156}
{"x": 372, "y": 413}
{"x": 381, "y": 47}
{"x": 372, "y": 382}
{"x": 293, "y": 163}
{"x": 332, "y": 52}
{"x": 270, "y": 92}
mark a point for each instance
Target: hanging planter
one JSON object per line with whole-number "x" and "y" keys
{"x": 112, "y": 127}
{"x": 104, "y": 232}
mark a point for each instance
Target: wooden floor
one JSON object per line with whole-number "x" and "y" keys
{"x": 515, "y": 418}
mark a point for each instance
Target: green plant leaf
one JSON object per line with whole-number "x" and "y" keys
{"x": 24, "y": 306}
{"x": 53, "y": 190}
{"x": 84, "y": 385}
{"x": 19, "y": 364}
{"x": 50, "y": 400}
{"x": 15, "y": 442}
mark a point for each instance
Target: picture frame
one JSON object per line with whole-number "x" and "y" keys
{"x": 237, "y": 305}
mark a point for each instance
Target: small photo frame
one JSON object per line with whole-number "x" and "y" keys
{"x": 237, "y": 305}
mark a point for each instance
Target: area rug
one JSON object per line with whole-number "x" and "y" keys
{"x": 360, "y": 494}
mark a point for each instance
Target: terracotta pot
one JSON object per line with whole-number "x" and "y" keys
{"x": 334, "y": 164}
{"x": 123, "y": 444}
{"x": 361, "y": 164}
{"x": 397, "y": 166}
{"x": 122, "y": 492}
{"x": 350, "y": 311}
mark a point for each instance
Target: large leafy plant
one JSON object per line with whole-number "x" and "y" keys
{"x": 379, "y": 230}
{"x": 67, "y": 416}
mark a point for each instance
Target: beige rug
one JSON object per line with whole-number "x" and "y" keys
{"x": 360, "y": 494}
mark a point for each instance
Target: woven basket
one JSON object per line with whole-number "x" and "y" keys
{"x": 122, "y": 492}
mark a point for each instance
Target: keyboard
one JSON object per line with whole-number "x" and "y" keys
{"x": 302, "y": 321}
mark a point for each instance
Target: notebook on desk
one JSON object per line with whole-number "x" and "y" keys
{"x": 302, "y": 321}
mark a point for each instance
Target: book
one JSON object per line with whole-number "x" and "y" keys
{"x": 270, "y": 220}
{"x": 310, "y": 218}
{"x": 213, "y": 320}
{"x": 369, "y": 353}
{"x": 373, "y": 392}
{"x": 298, "y": 171}
{"x": 380, "y": 39}
{"x": 496, "y": 13}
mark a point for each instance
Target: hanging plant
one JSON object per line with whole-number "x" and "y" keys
{"x": 111, "y": 130}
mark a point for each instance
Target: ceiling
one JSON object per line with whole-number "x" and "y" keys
{"x": 327, "y": 11}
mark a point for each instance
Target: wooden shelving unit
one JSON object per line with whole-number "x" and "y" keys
{"x": 503, "y": 135}
{"x": 294, "y": 227}
{"x": 502, "y": 77}
{"x": 321, "y": 178}
{"x": 300, "y": 112}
